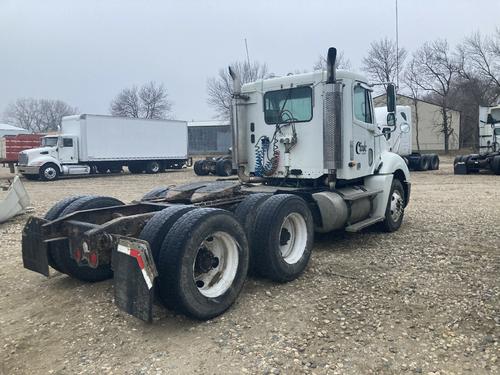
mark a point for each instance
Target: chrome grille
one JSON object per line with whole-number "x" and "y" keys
{"x": 23, "y": 158}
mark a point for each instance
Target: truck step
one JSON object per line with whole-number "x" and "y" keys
{"x": 359, "y": 194}
{"x": 364, "y": 223}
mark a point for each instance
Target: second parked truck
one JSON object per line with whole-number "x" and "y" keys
{"x": 91, "y": 144}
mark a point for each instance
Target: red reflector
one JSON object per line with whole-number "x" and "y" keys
{"x": 93, "y": 259}
{"x": 77, "y": 255}
{"x": 137, "y": 255}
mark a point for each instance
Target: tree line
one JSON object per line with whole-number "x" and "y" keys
{"x": 45, "y": 115}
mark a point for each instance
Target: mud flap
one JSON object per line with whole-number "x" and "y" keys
{"x": 134, "y": 277}
{"x": 34, "y": 249}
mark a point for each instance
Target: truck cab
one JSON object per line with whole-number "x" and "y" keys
{"x": 47, "y": 161}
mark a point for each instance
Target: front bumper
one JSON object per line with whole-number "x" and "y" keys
{"x": 24, "y": 169}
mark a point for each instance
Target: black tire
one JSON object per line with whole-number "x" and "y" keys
{"x": 31, "y": 177}
{"x": 269, "y": 235}
{"x": 159, "y": 225}
{"x": 423, "y": 163}
{"x": 49, "y": 172}
{"x": 157, "y": 192}
{"x": 224, "y": 168}
{"x": 434, "y": 162}
{"x": 246, "y": 213}
{"x": 61, "y": 255}
{"x": 395, "y": 205}
{"x": 136, "y": 168}
{"x": 153, "y": 167}
{"x": 199, "y": 168}
{"x": 179, "y": 256}
{"x": 53, "y": 213}
{"x": 495, "y": 164}
{"x": 457, "y": 159}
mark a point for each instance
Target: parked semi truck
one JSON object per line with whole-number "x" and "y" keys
{"x": 12, "y": 145}
{"x": 400, "y": 140}
{"x": 489, "y": 145}
{"x": 219, "y": 166}
{"x": 91, "y": 144}
{"x": 310, "y": 158}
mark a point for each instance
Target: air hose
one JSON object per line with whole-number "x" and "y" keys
{"x": 265, "y": 166}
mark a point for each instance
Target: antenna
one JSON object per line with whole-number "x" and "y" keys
{"x": 397, "y": 47}
{"x": 248, "y": 56}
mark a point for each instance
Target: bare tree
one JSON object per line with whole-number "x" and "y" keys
{"x": 481, "y": 57}
{"x": 220, "y": 88}
{"x": 52, "y": 112}
{"x": 154, "y": 101}
{"x": 150, "y": 101}
{"x": 342, "y": 62}
{"x": 38, "y": 115}
{"x": 436, "y": 68}
{"x": 381, "y": 63}
{"x": 410, "y": 82}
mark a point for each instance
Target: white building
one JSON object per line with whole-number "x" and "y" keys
{"x": 6, "y": 129}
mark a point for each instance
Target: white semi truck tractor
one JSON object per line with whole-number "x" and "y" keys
{"x": 310, "y": 158}
{"x": 400, "y": 139}
{"x": 90, "y": 144}
{"x": 488, "y": 157}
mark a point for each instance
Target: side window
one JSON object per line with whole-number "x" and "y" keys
{"x": 67, "y": 142}
{"x": 362, "y": 104}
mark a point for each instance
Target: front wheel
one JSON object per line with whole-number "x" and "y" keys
{"x": 395, "y": 209}
{"x": 49, "y": 172}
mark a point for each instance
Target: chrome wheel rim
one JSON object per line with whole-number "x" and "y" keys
{"x": 397, "y": 205}
{"x": 50, "y": 173}
{"x": 216, "y": 264}
{"x": 293, "y": 238}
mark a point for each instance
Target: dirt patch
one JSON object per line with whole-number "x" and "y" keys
{"x": 422, "y": 300}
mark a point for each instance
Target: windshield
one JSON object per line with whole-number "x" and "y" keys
{"x": 49, "y": 142}
{"x": 290, "y": 105}
{"x": 495, "y": 113}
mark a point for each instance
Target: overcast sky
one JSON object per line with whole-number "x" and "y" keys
{"x": 85, "y": 51}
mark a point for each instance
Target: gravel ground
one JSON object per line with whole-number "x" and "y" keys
{"x": 422, "y": 300}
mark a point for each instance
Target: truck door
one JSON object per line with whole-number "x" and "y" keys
{"x": 67, "y": 150}
{"x": 362, "y": 143}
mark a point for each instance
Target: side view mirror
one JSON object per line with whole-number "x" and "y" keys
{"x": 391, "y": 119}
{"x": 391, "y": 98}
{"x": 405, "y": 128}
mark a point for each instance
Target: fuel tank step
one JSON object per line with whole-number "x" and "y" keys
{"x": 364, "y": 223}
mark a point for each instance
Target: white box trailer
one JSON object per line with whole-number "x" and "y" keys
{"x": 102, "y": 144}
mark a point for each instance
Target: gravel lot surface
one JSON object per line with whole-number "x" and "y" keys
{"x": 422, "y": 300}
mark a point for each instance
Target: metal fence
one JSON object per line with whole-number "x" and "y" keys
{"x": 205, "y": 140}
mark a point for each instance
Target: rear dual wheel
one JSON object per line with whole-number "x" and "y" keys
{"x": 280, "y": 233}
{"x": 201, "y": 256}
{"x": 59, "y": 252}
{"x": 200, "y": 168}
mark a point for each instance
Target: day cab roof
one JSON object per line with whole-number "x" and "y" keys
{"x": 302, "y": 79}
